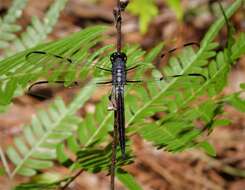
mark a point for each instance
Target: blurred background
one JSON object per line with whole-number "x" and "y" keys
{"x": 147, "y": 25}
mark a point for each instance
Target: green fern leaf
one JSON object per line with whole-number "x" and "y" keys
{"x": 146, "y": 10}
{"x": 189, "y": 61}
{"x": 208, "y": 148}
{"x": 7, "y": 23}
{"x": 238, "y": 49}
{"x": 98, "y": 159}
{"x": 236, "y": 101}
{"x": 175, "y": 5}
{"x": 127, "y": 179}
{"x": 36, "y": 149}
{"x": 37, "y": 31}
{"x": 16, "y": 72}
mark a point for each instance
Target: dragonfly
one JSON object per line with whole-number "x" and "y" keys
{"x": 119, "y": 79}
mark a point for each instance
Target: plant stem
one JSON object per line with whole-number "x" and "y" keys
{"x": 118, "y": 19}
{"x": 114, "y": 152}
{"x": 72, "y": 179}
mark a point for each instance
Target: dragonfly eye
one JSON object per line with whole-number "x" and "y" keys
{"x": 124, "y": 57}
{"x": 116, "y": 55}
{"x": 113, "y": 56}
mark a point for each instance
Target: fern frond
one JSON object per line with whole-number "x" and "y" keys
{"x": 99, "y": 159}
{"x": 187, "y": 62}
{"x": 236, "y": 99}
{"x": 127, "y": 179}
{"x": 36, "y": 149}
{"x": 16, "y": 71}
{"x": 47, "y": 181}
{"x": 238, "y": 49}
{"x": 178, "y": 132}
{"x": 7, "y": 23}
{"x": 38, "y": 30}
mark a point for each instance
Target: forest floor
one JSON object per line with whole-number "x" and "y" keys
{"x": 153, "y": 169}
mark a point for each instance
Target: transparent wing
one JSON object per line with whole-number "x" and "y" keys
{"x": 68, "y": 72}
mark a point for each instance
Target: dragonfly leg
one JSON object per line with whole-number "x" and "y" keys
{"x": 134, "y": 81}
{"x": 104, "y": 69}
{"x": 132, "y": 68}
{"x": 106, "y": 82}
{"x": 197, "y": 75}
{"x": 112, "y": 104}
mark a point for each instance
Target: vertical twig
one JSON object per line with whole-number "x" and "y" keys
{"x": 118, "y": 20}
{"x": 114, "y": 153}
{"x": 72, "y": 179}
{"x": 117, "y": 12}
{"x": 121, "y": 5}
{"x": 118, "y": 23}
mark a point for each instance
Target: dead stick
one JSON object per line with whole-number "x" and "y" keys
{"x": 72, "y": 179}
{"x": 121, "y": 5}
{"x": 114, "y": 152}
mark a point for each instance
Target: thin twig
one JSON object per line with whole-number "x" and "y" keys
{"x": 114, "y": 153}
{"x": 117, "y": 12}
{"x": 118, "y": 20}
{"x": 72, "y": 179}
{"x": 121, "y": 5}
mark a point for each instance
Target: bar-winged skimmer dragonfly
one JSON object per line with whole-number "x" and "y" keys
{"x": 118, "y": 72}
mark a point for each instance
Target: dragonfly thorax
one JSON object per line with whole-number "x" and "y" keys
{"x": 118, "y": 68}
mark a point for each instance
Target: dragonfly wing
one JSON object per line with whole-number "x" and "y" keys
{"x": 43, "y": 89}
{"x": 60, "y": 68}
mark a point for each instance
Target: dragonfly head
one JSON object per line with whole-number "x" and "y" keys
{"x": 118, "y": 56}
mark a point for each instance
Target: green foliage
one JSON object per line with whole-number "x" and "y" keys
{"x": 97, "y": 159}
{"x": 128, "y": 180}
{"x": 47, "y": 181}
{"x": 175, "y": 5}
{"x": 146, "y": 10}
{"x": 208, "y": 148}
{"x": 7, "y": 23}
{"x": 236, "y": 101}
{"x": 239, "y": 48}
{"x": 2, "y": 171}
{"x": 17, "y": 72}
{"x": 192, "y": 106}
{"x": 35, "y": 33}
{"x": 36, "y": 149}
{"x": 37, "y": 186}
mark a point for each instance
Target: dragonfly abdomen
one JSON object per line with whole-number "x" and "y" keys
{"x": 121, "y": 118}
